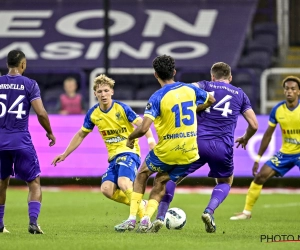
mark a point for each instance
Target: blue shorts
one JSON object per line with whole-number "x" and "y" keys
{"x": 218, "y": 155}
{"x": 122, "y": 165}
{"x": 156, "y": 165}
{"x": 282, "y": 163}
{"x": 23, "y": 163}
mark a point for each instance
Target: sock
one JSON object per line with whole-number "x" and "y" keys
{"x": 252, "y": 196}
{"x": 136, "y": 199}
{"x": 2, "y": 208}
{"x": 219, "y": 193}
{"x": 141, "y": 209}
{"x": 151, "y": 208}
{"x": 34, "y": 208}
{"x": 166, "y": 200}
{"x": 120, "y": 197}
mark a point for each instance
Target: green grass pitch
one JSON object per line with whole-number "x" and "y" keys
{"x": 85, "y": 220}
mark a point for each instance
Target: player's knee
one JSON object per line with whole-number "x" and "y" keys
{"x": 260, "y": 179}
{"x": 107, "y": 191}
{"x": 125, "y": 183}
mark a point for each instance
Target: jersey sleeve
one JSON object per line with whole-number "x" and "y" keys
{"x": 88, "y": 125}
{"x": 34, "y": 92}
{"x": 153, "y": 107}
{"x": 201, "y": 95}
{"x": 272, "y": 119}
{"x": 131, "y": 115}
{"x": 202, "y": 84}
{"x": 246, "y": 103}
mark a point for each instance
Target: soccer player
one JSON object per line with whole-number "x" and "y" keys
{"x": 114, "y": 121}
{"x": 173, "y": 111}
{"x": 215, "y": 137}
{"x": 17, "y": 153}
{"x": 287, "y": 114}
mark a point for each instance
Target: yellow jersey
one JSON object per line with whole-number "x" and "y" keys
{"x": 114, "y": 125}
{"x": 173, "y": 110}
{"x": 289, "y": 121}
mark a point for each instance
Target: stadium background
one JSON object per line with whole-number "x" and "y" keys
{"x": 259, "y": 39}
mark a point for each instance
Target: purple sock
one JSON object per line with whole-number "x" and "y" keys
{"x": 219, "y": 193}
{"x": 34, "y": 208}
{"x": 166, "y": 200}
{"x": 2, "y": 207}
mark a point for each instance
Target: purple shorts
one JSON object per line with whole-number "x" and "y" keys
{"x": 218, "y": 156}
{"x": 23, "y": 163}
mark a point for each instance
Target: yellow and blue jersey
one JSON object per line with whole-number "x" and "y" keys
{"x": 289, "y": 121}
{"x": 114, "y": 125}
{"x": 173, "y": 110}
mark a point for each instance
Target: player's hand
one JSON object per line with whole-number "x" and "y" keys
{"x": 58, "y": 159}
{"x": 255, "y": 168}
{"x": 241, "y": 141}
{"x": 52, "y": 139}
{"x": 130, "y": 143}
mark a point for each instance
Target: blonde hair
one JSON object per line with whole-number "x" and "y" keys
{"x": 103, "y": 80}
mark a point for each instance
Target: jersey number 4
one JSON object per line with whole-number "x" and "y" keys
{"x": 186, "y": 111}
{"x": 225, "y": 111}
{"x": 19, "y": 112}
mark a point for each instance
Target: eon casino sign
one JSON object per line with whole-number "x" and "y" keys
{"x": 64, "y": 35}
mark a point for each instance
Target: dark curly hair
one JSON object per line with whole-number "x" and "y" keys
{"x": 14, "y": 58}
{"x": 164, "y": 66}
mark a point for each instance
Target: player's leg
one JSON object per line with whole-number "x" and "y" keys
{"x": 166, "y": 173}
{"x": 6, "y": 164}
{"x": 34, "y": 205}
{"x": 168, "y": 197}
{"x": 278, "y": 165}
{"x": 27, "y": 168}
{"x": 156, "y": 195}
{"x": 219, "y": 193}
{"x": 136, "y": 198}
{"x": 221, "y": 168}
{"x": 128, "y": 165}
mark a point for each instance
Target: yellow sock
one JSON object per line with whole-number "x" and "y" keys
{"x": 120, "y": 197}
{"x": 141, "y": 209}
{"x": 252, "y": 196}
{"x": 135, "y": 203}
{"x": 151, "y": 208}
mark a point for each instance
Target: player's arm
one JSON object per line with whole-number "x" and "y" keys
{"x": 149, "y": 135}
{"x": 266, "y": 140}
{"x": 250, "y": 117}
{"x": 139, "y": 131}
{"x": 211, "y": 100}
{"x": 43, "y": 119}
{"x": 74, "y": 143}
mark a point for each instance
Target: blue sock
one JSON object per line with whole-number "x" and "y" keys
{"x": 2, "y": 207}
{"x": 166, "y": 200}
{"x": 34, "y": 208}
{"x": 218, "y": 195}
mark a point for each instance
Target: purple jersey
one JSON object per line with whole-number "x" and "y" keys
{"x": 219, "y": 120}
{"x": 16, "y": 94}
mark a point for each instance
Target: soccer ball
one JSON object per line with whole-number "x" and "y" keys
{"x": 175, "y": 218}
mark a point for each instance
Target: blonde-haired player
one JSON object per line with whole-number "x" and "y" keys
{"x": 114, "y": 121}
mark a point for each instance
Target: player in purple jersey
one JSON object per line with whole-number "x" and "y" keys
{"x": 215, "y": 138}
{"x": 17, "y": 153}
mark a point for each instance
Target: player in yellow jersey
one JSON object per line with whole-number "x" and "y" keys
{"x": 287, "y": 114}
{"x": 113, "y": 120}
{"x": 173, "y": 111}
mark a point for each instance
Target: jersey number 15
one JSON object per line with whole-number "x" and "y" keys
{"x": 186, "y": 111}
